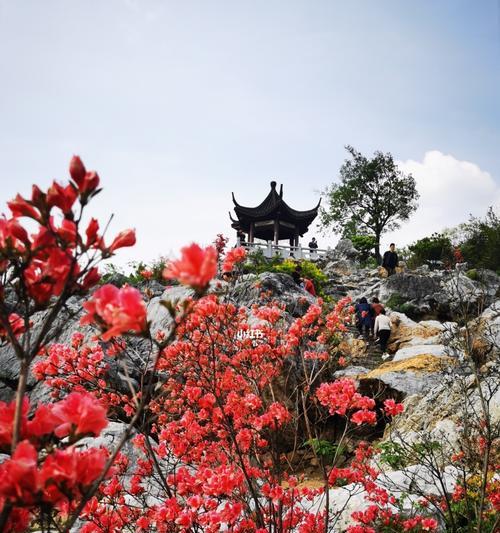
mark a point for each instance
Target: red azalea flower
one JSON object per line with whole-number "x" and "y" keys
{"x": 7, "y": 411}
{"x": 196, "y": 267}
{"x": 22, "y": 208}
{"x": 91, "y": 232}
{"x": 79, "y": 413}
{"x": 91, "y": 278}
{"x": 62, "y": 197}
{"x": 16, "y": 324}
{"x": 235, "y": 255}
{"x": 87, "y": 182}
{"x": 117, "y": 310}
{"x": 71, "y": 470}
{"x": 392, "y": 408}
{"x": 124, "y": 238}
{"x": 19, "y": 480}
{"x": 12, "y": 235}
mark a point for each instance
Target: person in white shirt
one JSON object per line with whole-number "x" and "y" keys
{"x": 382, "y": 329}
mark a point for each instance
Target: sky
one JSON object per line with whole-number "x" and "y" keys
{"x": 177, "y": 104}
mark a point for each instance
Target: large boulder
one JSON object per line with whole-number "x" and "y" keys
{"x": 270, "y": 286}
{"x": 408, "y": 485}
{"x": 488, "y": 328}
{"x": 459, "y": 290}
{"x": 439, "y": 413}
{"x": 415, "y": 375}
{"x": 342, "y": 260}
{"x": 415, "y": 294}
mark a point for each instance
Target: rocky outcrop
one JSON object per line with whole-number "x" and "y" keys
{"x": 268, "y": 286}
{"x": 439, "y": 413}
{"x": 423, "y": 293}
{"x": 342, "y": 260}
{"x": 414, "y": 375}
{"x": 408, "y": 484}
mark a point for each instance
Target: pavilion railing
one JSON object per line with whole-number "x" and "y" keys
{"x": 295, "y": 252}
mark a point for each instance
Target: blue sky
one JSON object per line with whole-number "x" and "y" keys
{"x": 176, "y": 104}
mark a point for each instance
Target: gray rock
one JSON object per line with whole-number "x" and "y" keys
{"x": 408, "y": 484}
{"x": 405, "y": 382}
{"x": 437, "y": 350}
{"x": 439, "y": 412}
{"x": 279, "y": 286}
{"x": 409, "y": 287}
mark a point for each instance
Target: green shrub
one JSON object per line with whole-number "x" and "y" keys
{"x": 365, "y": 245}
{"x": 472, "y": 274}
{"x": 257, "y": 264}
{"x": 480, "y": 245}
{"x": 437, "y": 247}
{"x": 135, "y": 276}
{"x": 396, "y": 301}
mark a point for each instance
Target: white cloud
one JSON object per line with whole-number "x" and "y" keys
{"x": 450, "y": 190}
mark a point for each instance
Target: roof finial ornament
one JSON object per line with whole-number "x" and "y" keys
{"x": 273, "y": 184}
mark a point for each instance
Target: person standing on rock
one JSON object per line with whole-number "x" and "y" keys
{"x": 383, "y": 331}
{"x": 390, "y": 260}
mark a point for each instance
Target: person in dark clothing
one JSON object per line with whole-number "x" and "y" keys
{"x": 241, "y": 236}
{"x": 390, "y": 260}
{"x": 313, "y": 244}
{"x": 363, "y": 317}
{"x": 297, "y": 274}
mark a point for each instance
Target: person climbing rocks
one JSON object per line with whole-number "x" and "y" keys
{"x": 376, "y": 308}
{"x": 383, "y": 331}
{"x": 363, "y": 317}
{"x": 390, "y": 260}
{"x": 313, "y": 244}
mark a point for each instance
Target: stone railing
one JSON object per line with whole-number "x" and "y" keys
{"x": 295, "y": 252}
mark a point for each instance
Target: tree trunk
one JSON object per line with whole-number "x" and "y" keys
{"x": 377, "y": 249}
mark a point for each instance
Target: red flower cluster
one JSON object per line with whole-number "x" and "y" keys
{"x": 341, "y": 396}
{"x": 64, "y": 475}
{"x": 51, "y": 255}
{"x": 392, "y": 408}
{"x": 79, "y": 414}
{"x": 220, "y": 244}
{"x": 39, "y": 472}
{"x": 16, "y": 324}
{"x": 233, "y": 257}
{"x": 196, "y": 267}
{"x": 116, "y": 311}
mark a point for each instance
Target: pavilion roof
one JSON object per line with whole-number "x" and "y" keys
{"x": 273, "y": 205}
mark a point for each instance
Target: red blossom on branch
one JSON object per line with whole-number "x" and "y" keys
{"x": 233, "y": 257}
{"x": 116, "y": 311}
{"x": 196, "y": 267}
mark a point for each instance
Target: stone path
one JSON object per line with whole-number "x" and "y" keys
{"x": 373, "y": 357}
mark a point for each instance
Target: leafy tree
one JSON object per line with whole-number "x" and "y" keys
{"x": 481, "y": 245}
{"x": 437, "y": 247}
{"x": 373, "y": 194}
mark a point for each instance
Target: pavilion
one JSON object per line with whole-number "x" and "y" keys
{"x": 273, "y": 219}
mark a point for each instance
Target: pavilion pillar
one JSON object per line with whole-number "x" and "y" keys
{"x": 296, "y": 237}
{"x": 276, "y": 231}
{"x": 251, "y": 232}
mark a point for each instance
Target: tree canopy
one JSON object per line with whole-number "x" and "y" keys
{"x": 373, "y": 195}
